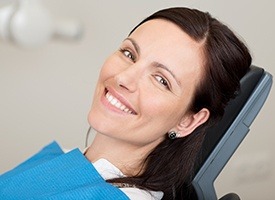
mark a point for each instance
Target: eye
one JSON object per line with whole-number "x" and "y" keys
{"x": 128, "y": 54}
{"x": 162, "y": 81}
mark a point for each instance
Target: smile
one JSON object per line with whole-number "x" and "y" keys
{"x": 115, "y": 102}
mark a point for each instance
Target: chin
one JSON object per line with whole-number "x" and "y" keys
{"x": 98, "y": 121}
{"x": 94, "y": 119}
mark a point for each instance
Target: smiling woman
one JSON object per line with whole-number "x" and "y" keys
{"x": 142, "y": 79}
{"x": 168, "y": 81}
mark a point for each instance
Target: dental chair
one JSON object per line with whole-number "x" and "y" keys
{"x": 223, "y": 139}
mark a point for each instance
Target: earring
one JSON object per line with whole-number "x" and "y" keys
{"x": 173, "y": 135}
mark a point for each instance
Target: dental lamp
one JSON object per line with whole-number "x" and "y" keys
{"x": 28, "y": 23}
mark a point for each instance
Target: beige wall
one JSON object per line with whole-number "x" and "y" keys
{"x": 45, "y": 93}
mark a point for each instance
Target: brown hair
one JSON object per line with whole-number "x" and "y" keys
{"x": 170, "y": 166}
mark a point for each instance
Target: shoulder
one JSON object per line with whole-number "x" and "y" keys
{"x": 108, "y": 171}
{"x": 137, "y": 194}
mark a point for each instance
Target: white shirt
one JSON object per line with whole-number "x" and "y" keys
{"x": 108, "y": 171}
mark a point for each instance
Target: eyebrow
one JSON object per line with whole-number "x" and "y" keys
{"x": 159, "y": 65}
{"x": 134, "y": 44}
{"x": 156, "y": 64}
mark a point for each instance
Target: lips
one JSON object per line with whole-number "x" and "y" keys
{"x": 118, "y": 103}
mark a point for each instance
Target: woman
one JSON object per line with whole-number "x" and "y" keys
{"x": 170, "y": 80}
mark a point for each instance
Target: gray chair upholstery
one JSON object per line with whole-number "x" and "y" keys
{"x": 230, "y": 196}
{"x": 224, "y": 138}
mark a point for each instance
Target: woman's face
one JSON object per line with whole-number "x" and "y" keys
{"x": 145, "y": 87}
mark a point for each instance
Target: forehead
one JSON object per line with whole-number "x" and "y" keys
{"x": 167, "y": 36}
{"x": 168, "y": 44}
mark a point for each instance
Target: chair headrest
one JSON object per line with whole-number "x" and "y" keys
{"x": 216, "y": 132}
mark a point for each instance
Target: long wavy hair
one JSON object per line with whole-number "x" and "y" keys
{"x": 170, "y": 166}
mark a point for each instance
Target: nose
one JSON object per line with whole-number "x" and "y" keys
{"x": 129, "y": 77}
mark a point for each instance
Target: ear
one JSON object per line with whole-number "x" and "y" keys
{"x": 189, "y": 123}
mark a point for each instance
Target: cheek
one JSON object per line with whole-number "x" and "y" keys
{"x": 163, "y": 109}
{"x": 112, "y": 66}
{"x": 105, "y": 71}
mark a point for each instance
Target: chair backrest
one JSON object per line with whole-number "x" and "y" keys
{"x": 224, "y": 138}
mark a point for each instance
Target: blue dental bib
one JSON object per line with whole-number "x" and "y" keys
{"x": 53, "y": 174}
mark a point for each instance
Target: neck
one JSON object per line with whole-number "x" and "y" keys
{"x": 126, "y": 157}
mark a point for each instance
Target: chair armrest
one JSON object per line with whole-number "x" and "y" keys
{"x": 230, "y": 196}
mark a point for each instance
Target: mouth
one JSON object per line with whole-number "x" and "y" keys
{"x": 118, "y": 104}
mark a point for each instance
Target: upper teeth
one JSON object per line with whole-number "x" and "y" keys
{"x": 115, "y": 102}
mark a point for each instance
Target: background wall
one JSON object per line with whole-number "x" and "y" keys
{"x": 45, "y": 93}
